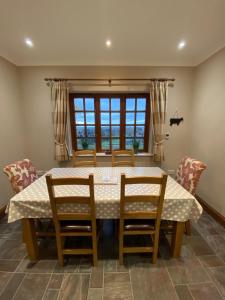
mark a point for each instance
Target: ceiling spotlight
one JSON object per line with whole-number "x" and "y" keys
{"x": 108, "y": 43}
{"x": 29, "y": 42}
{"x": 181, "y": 45}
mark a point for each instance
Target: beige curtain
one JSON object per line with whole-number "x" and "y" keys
{"x": 60, "y": 98}
{"x": 158, "y": 100}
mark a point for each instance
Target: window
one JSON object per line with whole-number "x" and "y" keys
{"x": 110, "y": 121}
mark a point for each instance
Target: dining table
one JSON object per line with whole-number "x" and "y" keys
{"x": 33, "y": 202}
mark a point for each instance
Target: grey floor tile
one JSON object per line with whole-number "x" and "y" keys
{"x": 217, "y": 243}
{"x": 211, "y": 261}
{"x": 10, "y": 227}
{"x": 42, "y": 266}
{"x": 95, "y": 294}
{"x": 96, "y": 280}
{"x": 85, "y": 265}
{"x": 12, "y": 286}
{"x": 199, "y": 246}
{"x": 205, "y": 291}
{"x": 206, "y": 226}
{"x": 12, "y": 249}
{"x": 32, "y": 287}
{"x": 4, "y": 278}
{"x": 187, "y": 271}
{"x": 154, "y": 282}
{"x": 110, "y": 265}
{"x": 12, "y": 236}
{"x": 85, "y": 280}
{"x": 71, "y": 265}
{"x": 117, "y": 286}
{"x": 71, "y": 287}
{"x": 183, "y": 292}
{"x": 55, "y": 281}
{"x": 218, "y": 276}
{"x": 51, "y": 295}
{"x": 8, "y": 265}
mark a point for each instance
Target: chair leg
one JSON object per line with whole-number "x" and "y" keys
{"x": 155, "y": 247}
{"x": 60, "y": 242}
{"x": 94, "y": 244}
{"x": 121, "y": 242}
{"x": 188, "y": 227}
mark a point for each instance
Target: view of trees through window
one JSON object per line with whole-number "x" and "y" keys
{"x": 106, "y": 122}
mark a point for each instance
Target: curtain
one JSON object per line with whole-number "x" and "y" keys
{"x": 158, "y": 100}
{"x": 60, "y": 99}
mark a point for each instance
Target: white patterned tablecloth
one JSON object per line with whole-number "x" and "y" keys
{"x": 33, "y": 202}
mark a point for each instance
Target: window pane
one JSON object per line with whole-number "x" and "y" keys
{"x": 115, "y": 131}
{"x": 140, "y": 118}
{"x": 79, "y": 144}
{"x": 90, "y": 118}
{"x": 129, "y": 143}
{"x": 90, "y": 131}
{"x": 104, "y": 104}
{"x": 105, "y": 118}
{"x": 141, "y": 144}
{"x": 105, "y": 144}
{"x": 89, "y": 104}
{"x": 141, "y": 104}
{"x": 80, "y": 131}
{"x": 115, "y": 118}
{"x": 129, "y": 131}
{"x": 78, "y": 104}
{"x": 105, "y": 131}
{"x": 79, "y": 118}
{"x": 115, "y": 143}
{"x": 115, "y": 104}
{"x": 130, "y": 104}
{"x": 91, "y": 143}
{"x": 129, "y": 118}
{"x": 140, "y": 130}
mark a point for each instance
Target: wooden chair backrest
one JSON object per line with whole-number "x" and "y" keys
{"x": 89, "y": 161}
{"x": 55, "y": 201}
{"x": 128, "y": 158}
{"x": 157, "y": 200}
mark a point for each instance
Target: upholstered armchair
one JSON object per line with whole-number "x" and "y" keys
{"x": 188, "y": 175}
{"x": 21, "y": 174}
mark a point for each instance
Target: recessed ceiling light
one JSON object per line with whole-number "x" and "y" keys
{"x": 181, "y": 45}
{"x": 29, "y": 42}
{"x": 108, "y": 43}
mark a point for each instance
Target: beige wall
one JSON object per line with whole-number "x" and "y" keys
{"x": 208, "y": 128}
{"x": 37, "y": 108}
{"x": 198, "y": 94}
{"x": 11, "y": 124}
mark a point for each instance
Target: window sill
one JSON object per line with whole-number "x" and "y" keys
{"x": 100, "y": 154}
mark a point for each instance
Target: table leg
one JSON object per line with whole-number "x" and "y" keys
{"x": 30, "y": 238}
{"x": 177, "y": 238}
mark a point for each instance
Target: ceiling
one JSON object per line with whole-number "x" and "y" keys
{"x": 143, "y": 32}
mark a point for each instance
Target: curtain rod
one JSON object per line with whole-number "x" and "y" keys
{"x": 109, "y": 80}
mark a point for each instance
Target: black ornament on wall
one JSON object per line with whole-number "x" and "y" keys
{"x": 176, "y": 119}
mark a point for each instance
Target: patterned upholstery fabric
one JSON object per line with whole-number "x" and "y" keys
{"x": 189, "y": 172}
{"x": 21, "y": 174}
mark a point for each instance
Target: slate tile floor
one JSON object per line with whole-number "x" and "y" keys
{"x": 198, "y": 274}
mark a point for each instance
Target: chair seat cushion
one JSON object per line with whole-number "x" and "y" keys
{"x": 75, "y": 226}
{"x": 138, "y": 227}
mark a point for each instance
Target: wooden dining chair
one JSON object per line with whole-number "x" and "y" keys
{"x": 188, "y": 175}
{"x": 73, "y": 224}
{"x": 123, "y": 158}
{"x": 139, "y": 222}
{"x": 84, "y": 158}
